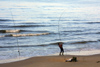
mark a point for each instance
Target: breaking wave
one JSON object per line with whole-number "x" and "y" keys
{"x": 93, "y": 22}
{"x": 17, "y": 46}
{"x": 87, "y": 33}
{"x": 9, "y": 31}
{"x": 19, "y": 35}
{"x": 5, "y": 20}
{"x": 14, "y": 31}
{"x": 74, "y": 31}
{"x": 45, "y": 44}
{"x": 21, "y": 46}
{"x": 82, "y": 42}
{"x": 32, "y": 26}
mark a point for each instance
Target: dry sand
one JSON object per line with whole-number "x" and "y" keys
{"x": 56, "y": 61}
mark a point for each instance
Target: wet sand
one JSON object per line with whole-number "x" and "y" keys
{"x": 56, "y": 61}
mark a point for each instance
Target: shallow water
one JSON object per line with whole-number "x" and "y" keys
{"x": 35, "y": 27}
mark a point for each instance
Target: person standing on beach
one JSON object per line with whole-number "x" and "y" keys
{"x": 61, "y": 49}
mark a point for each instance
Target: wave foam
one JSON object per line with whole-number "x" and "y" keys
{"x": 10, "y": 31}
{"x": 82, "y": 53}
{"x": 19, "y": 35}
{"x": 13, "y": 60}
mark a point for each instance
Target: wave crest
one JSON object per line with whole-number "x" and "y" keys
{"x": 9, "y": 31}
{"x": 19, "y": 35}
{"x": 82, "y": 42}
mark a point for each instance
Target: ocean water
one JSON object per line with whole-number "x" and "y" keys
{"x": 35, "y": 27}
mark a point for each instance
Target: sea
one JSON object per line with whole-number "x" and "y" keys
{"x": 30, "y": 28}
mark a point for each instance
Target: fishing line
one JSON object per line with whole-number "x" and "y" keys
{"x": 16, "y": 33}
{"x": 15, "y": 29}
{"x": 59, "y": 33}
{"x": 35, "y": 38}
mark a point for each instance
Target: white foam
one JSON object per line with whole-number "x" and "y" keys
{"x": 17, "y": 35}
{"x": 13, "y": 60}
{"x": 85, "y": 53}
{"x": 12, "y": 31}
{"x": 82, "y": 53}
{"x": 2, "y": 36}
{"x": 79, "y": 53}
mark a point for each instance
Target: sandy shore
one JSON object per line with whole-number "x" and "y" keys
{"x": 56, "y": 61}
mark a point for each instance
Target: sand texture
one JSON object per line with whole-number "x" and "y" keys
{"x": 56, "y": 61}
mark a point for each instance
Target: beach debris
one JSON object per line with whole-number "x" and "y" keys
{"x": 73, "y": 59}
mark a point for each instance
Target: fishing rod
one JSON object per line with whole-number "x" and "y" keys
{"x": 16, "y": 33}
{"x": 15, "y": 29}
{"x": 59, "y": 25}
{"x": 59, "y": 30}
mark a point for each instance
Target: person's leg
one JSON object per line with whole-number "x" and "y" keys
{"x": 62, "y": 50}
{"x": 60, "y": 53}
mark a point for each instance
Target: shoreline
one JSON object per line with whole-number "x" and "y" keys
{"x": 56, "y": 61}
{"x": 13, "y": 60}
{"x": 73, "y": 53}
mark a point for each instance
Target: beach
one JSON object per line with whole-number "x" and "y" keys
{"x": 57, "y": 61}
